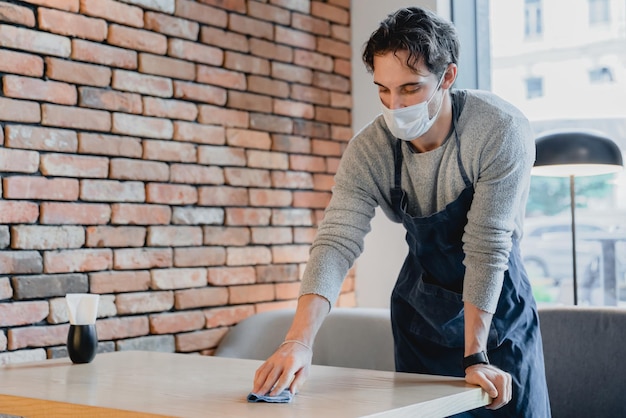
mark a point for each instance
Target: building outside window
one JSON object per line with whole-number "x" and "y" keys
{"x": 576, "y": 53}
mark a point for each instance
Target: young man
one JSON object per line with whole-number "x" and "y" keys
{"x": 454, "y": 168}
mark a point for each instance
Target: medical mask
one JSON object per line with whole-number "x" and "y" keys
{"x": 410, "y": 122}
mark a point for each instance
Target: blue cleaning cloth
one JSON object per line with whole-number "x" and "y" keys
{"x": 283, "y": 397}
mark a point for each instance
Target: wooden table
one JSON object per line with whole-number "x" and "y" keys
{"x": 139, "y": 383}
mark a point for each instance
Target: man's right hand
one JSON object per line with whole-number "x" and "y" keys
{"x": 287, "y": 367}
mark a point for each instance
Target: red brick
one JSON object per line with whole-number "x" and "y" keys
{"x": 303, "y": 6}
{"x": 75, "y": 213}
{"x": 103, "y": 54}
{"x": 171, "y": 109}
{"x": 226, "y": 117}
{"x": 287, "y": 290}
{"x": 222, "y": 196}
{"x": 270, "y": 198}
{"x": 174, "y": 236}
{"x": 78, "y": 73}
{"x": 340, "y": 100}
{"x": 220, "y": 317}
{"x": 270, "y": 50}
{"x": 221, "y": 235}
{"x": 111, "y": 236}
{"x": 16, "y": 212}
{"x": 122, "y": 327}
{"x": 64, "y": 165}
{"x": 112, "y": 191}
{"x": 167, "y": 67}
{"x": 334, "y": 48}
{"x": 307, "y": 163}
{"x": 331, "y": 82}
{"x": 341, "y": 32}
{"x": 196, "y": 174}
{"x": 224, "y": 39}
{"x": 311, "y": 24}
{"x": 200, "y": 297}
{"x": 75, "y": 118}
{"x": 313, "y": 60}
{"x": 249, "y": 26}
{"x": 296, "y": 38}
{"x": 6, "y": 292}
{"x": 19, "y": 111}
{"x": 170, "y": 25}
{"x": 227, "y": 156}
{"x": 266, "y": 85}
{"x": 20, "y": 262}
{"x": 127, "y": 169}
{"x": 178, "y": 278}
{"x": 20, "y": 161}
{"x": 245, "y": 256}
{"x": 136, "y": 39}
{"x": 249, "y": 101}
{"x": 269, "y": 13}
{"x": 34, "y": 41}
{"x": 22, "y": 313}
{"x": 171, "y": 194}
{"x": 290, "y": 254}
{"x": 248, "y": 139}
{"x": 17, "y": 14}
{"x": 267, "y": 159}
{"x": 37, "y": 336}
{"x": 67, "y": 261}
{"x": 251, "y": 293}
{"x": 142, "y": 83}
{"x": 142, "y": 126}
{"x": 343, "y": 67}
{"x": 192, "y": 10}
{"x": 110, "y": 100}
{"x": 200, "y": 93}
{"x": 291, "y": 144}
{"x": 310, "y": 94}
{"x": 292, "y": 73}
{"x": 304, "y": 235}
{"x": 221, "y": 77}
{"x": 247, "y": 177}
{"x": 277, "y": 273}
{"x": 291, "y": 217}
{"x": 341, "y": 133}
{"x": 20, "y": 63}
{"x": 247, "y": 216}
{"x": 294, "y": 109}
{"x": 234, "y": 5}
{"x": 72, "y": 24}
{"x": 176, "y": 322}
{"x": 121, "y": 146}
{"x": 332, "y": 164}
{"x": 326, "y": 148}
{"x": 126, "y": 213}
{"x": 69, "y": 5}
{"x": 271, "y": 123}
{"x": 271, "y": 235}
{"x": 191, "y": 51}
{"x": 142, "y": 258}
{"x": 292, "y": 180}
{"x": 330, "y": 12}
{"x": 142, "y": 302}
{"x": 37, "y": 237}
{"x": 323, "y": 182}
{"x": 197, "y": 216}
{"x": 199, "y": 256}
{"x": 203, "y": 134}
{"x": 169, "y": 151}
{"x": 225, "y": 276}
{"x": 246, "y": 63}
{"x": 332, "y": 115}
{"x": 44, "y": 139}
{"x": 35, "y": 89}
{"x": 119, "y": 281}
{"x": 40, "y": 188}
{"x": 271, "y": 306}
{"x": 113, "y": 11}
{"x": 199, "y": 340}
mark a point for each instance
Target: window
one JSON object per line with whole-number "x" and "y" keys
{"x": 600, "y": 75}
{"x": 534, "y": 87}
{"x": 598, "y": 12}
{"x": 533, "y": 19}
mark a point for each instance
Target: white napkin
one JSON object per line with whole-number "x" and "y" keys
{"x": 82, "y": 308}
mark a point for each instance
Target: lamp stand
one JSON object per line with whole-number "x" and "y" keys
{"x": 572, "y": 195}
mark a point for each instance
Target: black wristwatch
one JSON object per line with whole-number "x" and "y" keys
{"x": 478, "y": 358}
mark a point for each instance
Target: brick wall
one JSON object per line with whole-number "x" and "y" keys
{"x": 173, "y": 156}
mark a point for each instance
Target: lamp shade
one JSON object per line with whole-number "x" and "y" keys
{"x": 576, "y": 153}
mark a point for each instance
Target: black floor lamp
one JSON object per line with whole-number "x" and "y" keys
{"x": 571, "y": 154}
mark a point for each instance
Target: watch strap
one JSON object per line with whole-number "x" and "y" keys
{"x": 477, "y": 358}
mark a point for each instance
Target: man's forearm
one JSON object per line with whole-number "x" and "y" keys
{"x": 477, "y": 323}
{"x": 310, "y": 313}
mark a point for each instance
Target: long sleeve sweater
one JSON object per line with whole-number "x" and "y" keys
{"x": 497, "y": 151}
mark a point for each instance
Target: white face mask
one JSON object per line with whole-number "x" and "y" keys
{"x": 410, "y": 122}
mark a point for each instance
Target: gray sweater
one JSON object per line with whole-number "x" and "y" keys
{"x": 497, "y": 150}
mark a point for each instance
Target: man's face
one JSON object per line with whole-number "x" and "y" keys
{"x": 398, "y": 85}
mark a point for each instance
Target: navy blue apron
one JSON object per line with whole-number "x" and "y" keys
{"x": 427, "y": 307}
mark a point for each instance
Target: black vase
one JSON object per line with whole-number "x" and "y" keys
{"x": 82, "y": 343}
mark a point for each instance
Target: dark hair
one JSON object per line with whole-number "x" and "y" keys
{"x": 420, "y": 32}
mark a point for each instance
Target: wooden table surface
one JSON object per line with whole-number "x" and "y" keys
{"x": 141, "y": 383}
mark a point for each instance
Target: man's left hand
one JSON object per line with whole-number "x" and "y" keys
{"x": 496, "y": 382}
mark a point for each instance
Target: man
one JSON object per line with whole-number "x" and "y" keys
{"x": 454, "y": 168}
